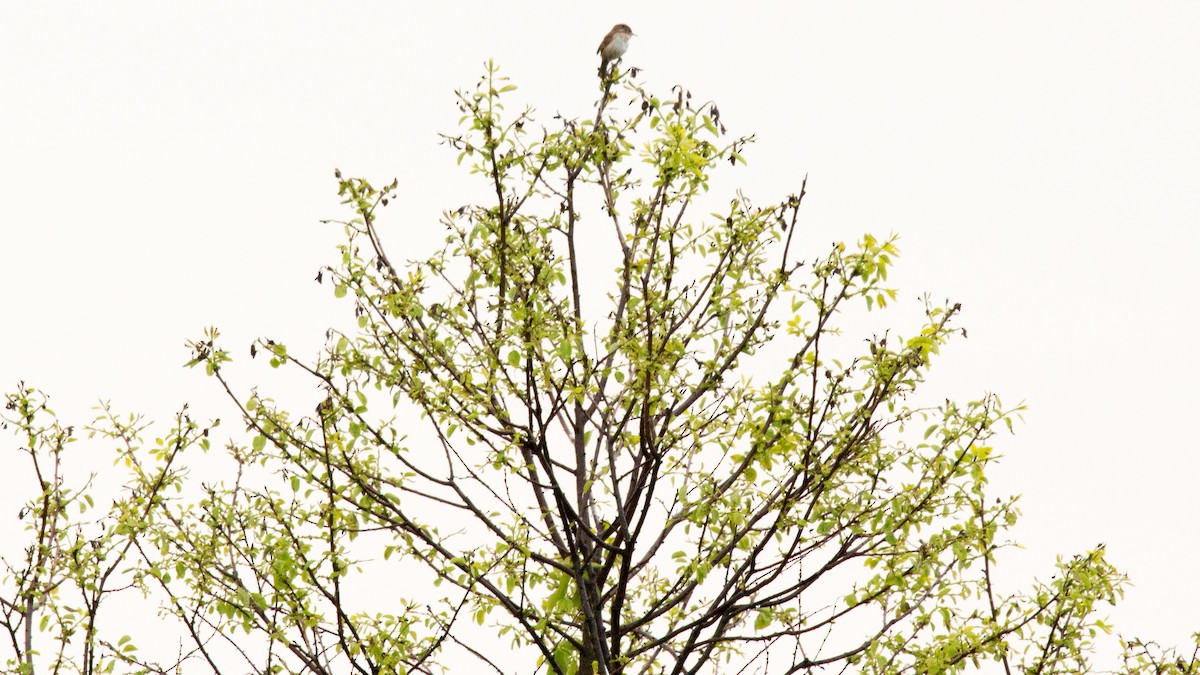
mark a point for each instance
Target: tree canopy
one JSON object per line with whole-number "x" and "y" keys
{"x": 614, "y": 425}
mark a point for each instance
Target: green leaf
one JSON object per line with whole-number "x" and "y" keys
{"x": 763, "y": 619}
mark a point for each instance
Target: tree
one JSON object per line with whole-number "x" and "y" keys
{"x": 684, "y": 470}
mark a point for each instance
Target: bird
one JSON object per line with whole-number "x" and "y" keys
{"x": 613, "y": 45}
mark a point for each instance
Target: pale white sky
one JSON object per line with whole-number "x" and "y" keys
{"x": 163, "y": 168}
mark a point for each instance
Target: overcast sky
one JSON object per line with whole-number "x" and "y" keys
{"x": 164, "y": 167}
